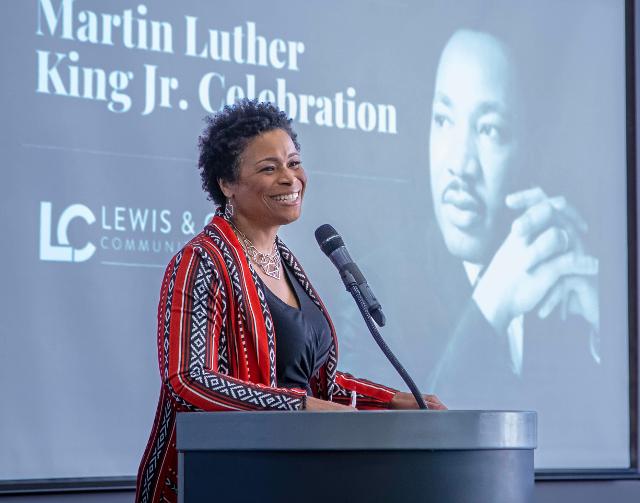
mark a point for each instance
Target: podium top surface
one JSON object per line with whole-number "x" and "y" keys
{"x": 370, "y": 430}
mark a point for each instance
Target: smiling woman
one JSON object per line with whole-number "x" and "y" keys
{"x": 270, "y": 185}
{"x": 235, "y": 293}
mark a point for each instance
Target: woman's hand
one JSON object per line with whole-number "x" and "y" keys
{"x": 403, "y": 400}
{"x": 317, "y": 405}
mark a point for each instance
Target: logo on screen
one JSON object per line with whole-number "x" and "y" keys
{"x": 62, "y": 251}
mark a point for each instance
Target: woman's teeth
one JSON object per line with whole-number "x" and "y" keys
{"x": 286, "y": 197}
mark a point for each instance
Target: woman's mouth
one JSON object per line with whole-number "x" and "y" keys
{"x": 290, "y": 198}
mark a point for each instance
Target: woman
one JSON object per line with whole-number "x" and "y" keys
{"x": 235, "y": 293}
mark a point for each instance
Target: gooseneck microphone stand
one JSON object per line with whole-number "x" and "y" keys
{"x": 353, "y": 289}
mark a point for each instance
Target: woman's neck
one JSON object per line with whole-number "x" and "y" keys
{"x": 261, "y": 237}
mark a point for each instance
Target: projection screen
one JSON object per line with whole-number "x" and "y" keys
{"x": 427, "y": 129}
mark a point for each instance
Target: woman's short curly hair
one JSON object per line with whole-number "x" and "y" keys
{"x": 226, "y": 136}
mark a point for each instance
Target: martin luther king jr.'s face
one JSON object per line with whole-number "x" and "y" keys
{"x": 472, "y": 144}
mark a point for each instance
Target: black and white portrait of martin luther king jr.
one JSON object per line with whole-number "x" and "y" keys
{"x": 521, "y": 247}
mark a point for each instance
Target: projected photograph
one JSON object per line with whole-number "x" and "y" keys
{"x": 509, "y": 254}
{"x": 472, "y": 155}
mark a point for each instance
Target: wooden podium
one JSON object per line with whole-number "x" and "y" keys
{"x": 377, "y": 456}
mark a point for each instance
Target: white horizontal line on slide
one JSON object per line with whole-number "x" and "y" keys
{"x": 370, "y": 178}
{"x": 109, "y": 153}
{"x": 131, "y": 264}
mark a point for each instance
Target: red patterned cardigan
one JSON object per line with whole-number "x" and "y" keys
{"x": 216, "y": 350}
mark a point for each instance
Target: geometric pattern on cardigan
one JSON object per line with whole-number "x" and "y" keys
{"x": 212, "y": 381}
{"x": 165, "y": 424}
{"x": 167, "y": 314}
{"x": 220, "y": 296}
{"x": 230, "y": 262}
{"x": 213, "y": 267}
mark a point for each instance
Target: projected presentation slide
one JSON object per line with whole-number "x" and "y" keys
{"x": 471, "y": 154}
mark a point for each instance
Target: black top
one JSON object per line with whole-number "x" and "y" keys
{"x": 303, "y": 337}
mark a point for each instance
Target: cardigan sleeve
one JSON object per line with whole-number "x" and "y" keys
{"x": 369, "y": 395}
{"x": 193, "y": 336}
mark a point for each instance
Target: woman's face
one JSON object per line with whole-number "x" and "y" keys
{"x": 271, "y": 181}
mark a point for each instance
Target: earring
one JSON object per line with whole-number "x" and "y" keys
{"x": 228, "y": 209}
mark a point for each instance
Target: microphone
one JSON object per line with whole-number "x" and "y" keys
{"x": 333, "y": 246}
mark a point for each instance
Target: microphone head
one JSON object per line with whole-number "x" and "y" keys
{"x": 328, "y": 239}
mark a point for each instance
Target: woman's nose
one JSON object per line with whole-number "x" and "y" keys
{"x": 287, "y": 176}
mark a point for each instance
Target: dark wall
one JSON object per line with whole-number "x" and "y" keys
{"x": 619, "y": 491}
{"x": 105, "y": 497}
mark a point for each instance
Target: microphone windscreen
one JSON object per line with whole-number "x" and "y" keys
{"x": 328, "y": 238}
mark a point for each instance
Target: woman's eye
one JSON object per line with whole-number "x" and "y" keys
{"x": 268, "y": 169}
{"x": 295, "y": 164}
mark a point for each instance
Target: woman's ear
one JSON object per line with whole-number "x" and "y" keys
{"x": 225, "y": 187}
